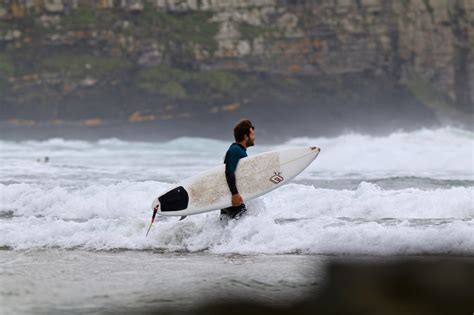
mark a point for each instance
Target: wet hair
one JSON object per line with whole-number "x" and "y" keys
{"x": 241, "y": 129}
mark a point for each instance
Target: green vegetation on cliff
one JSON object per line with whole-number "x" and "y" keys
{"x": 427, "y": 94}
{"x": 249, "y": 31}
{"x": 165, "y": 80}
{"x": 7, "y": 70}
{"x": 175, "y": 83}
{"x": 70, "y": 66}
{"x": 179, "y": 27}
{"x": 6, "y": 66}
{"x": 88, "y": 17}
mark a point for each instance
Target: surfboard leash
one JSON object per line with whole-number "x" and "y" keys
{"x": 152, "y": 219}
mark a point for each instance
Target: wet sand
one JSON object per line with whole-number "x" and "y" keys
{"x": 57, "y": 281}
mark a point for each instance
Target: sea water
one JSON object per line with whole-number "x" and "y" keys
{"x": 72, "y": 226}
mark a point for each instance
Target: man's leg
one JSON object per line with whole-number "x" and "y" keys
{"x": 239, "y": 211}
{"x": 233, "y": 212}
{"x": 226, "y": 211}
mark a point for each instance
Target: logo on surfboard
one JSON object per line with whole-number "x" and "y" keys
{"x": 277, "y": 178}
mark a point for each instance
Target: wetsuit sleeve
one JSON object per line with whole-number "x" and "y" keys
{"x": 232, "y": 158}
{"x": 230, "y": 177}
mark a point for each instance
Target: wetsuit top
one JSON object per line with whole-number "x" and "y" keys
{"x": 234, "y": 154}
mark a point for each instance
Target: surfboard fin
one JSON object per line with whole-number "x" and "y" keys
{"x": 183, "y": 217}
{"x": 152, "y": 219}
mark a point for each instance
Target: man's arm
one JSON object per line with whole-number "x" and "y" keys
{"x": 230, "y": 177}
{"x": 231, "y": 161}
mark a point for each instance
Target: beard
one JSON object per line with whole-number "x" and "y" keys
{"x": 250, "y": 143}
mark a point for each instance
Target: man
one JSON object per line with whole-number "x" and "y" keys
{"x": 244, "y": 134}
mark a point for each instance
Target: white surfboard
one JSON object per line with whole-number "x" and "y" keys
{"x": 255, "y": 176}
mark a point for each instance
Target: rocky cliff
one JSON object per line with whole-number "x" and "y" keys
{"x": 351, "y": 61}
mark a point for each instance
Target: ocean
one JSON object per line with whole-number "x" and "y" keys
{"x": 72, "y": 228}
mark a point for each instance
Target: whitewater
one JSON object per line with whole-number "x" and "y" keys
{"x": 73, "y": 218}
{"x": 405, "y": 193}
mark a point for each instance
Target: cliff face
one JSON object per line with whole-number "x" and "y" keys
{"x": 145, "y": 60}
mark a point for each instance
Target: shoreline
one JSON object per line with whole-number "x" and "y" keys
{"x": 54, "y": 281}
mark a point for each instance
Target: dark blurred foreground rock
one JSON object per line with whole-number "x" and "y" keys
{"x": 403, "y": 287}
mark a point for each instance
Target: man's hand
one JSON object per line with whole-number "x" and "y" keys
{"x": 237, "y": 200}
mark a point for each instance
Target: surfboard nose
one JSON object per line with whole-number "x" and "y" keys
{"x": 315, "y": 149}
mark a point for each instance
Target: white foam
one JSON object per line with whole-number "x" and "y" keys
{"x": 295, "y": 218}
{"x": 97, "y": 195}
{"x": 123, "y": 199}
{"x": 446, "y": 153}
{"x": 440, "y": 153}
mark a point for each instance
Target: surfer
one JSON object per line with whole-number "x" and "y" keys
{"x": 244, "y": 134}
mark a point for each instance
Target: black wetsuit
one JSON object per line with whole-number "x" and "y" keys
{"x": 234, "y": 154}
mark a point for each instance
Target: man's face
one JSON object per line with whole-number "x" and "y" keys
{"x": 251, "y": 138}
